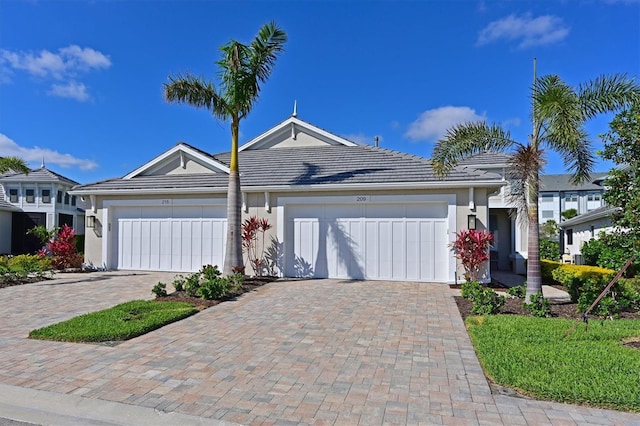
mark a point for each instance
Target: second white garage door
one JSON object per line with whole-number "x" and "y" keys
{"x": 179, "y": 239}
{"x": 368, "y": 241}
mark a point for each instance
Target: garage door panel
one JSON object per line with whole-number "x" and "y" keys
{"x": 440, "y": 256}
{"x": 305, "y": 250}
{"x": 422, "y": 211}
{"x": 412, "y": 253}
{"x": 170, "y": 244}
{"x": 398, "y": 250}
{"x": 374, "y": 241}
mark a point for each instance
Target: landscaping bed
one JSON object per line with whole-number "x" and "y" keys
{"x": 249, "y": 284}
{"x": 513, "y": 306}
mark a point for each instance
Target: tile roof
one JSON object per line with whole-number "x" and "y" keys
{"x": 487, "y": 158}
{"x": 37, "y": 175}
{"x": 600, "y": 212}
{"x": 5, "y": 205}
{"x": 562, "y": 182}
{"x": 302, "y": 166}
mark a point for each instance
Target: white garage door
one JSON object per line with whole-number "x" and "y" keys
{"x": 368, "y": 241}
{"x": 177, "y": 239}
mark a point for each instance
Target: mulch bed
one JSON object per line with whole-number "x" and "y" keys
{"x": 568, "y": 310}
{"x": 30, "y": 280}
{"x": 249, "y": 284}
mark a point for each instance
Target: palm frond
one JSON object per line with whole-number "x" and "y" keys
{"x": 244, "y": 67}
{"x": 608, "y": 94}
{"x": 195, "y": 91}
{"x": 556, "y": 108}
{"x": 578, "y": 157}
{"x": 15, "y": 164}
{"x": 465, "y": 140}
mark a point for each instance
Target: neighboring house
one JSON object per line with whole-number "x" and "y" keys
{"x": 338, "y": 209}
{"x": 509, "y": 250}
{"x": 558, "y": 194}
{"x": 40, "y": 197}
{"x": 582, "y": 228}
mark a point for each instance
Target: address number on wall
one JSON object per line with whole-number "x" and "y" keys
{"x": 362, "y": 199}
{"x": 165, "y": 202}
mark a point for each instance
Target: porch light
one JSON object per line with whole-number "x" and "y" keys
{"x": 91, "y": 221}
{"x": 471, "y": 221}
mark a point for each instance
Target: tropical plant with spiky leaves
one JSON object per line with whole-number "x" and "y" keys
{"x": 243, "y": 68}
{"x": 559, "y": 114}
{"x": 15, "y": 164}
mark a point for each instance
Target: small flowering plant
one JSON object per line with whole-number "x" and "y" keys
{"x": 472, "y": 248}
{"x": 62, "y": 250}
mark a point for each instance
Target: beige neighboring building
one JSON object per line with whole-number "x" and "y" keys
{"x": 337, "y": 209}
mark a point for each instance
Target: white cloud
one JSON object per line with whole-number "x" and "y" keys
{"x": 362, "y": 139}
{"x": 526, "y": 30}
{"x": 515, "y": 122}
{"x": 64, "y": 66}
{"x": 72, "y": 90}
{"x": 434, "y": 123}
{"x": 9, "y": 148}
{"x": 68, "y": 61}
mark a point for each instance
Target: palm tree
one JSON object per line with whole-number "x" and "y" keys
{"x": 242, "y": 70}
{"x": 559, "y": 114}
{"x": 15, "y": 164}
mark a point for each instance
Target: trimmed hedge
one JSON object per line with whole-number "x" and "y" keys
{"x": 574, "y": 277}
{"x": 546, "y": 269}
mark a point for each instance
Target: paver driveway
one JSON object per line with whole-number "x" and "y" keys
{"x": 312, "y": 352}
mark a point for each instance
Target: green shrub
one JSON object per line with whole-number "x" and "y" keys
{"x": 518, "y": 291}
{"x": 485, "y": 301}
{"x": 538, "y": 306}
{"x": 215, "y": 288}
{"x": 192, "y": 284}
{"x": 178, "y": 282}
{"x": 611, "y": 251}
{"x": 546, "y": 270}
{"x": 611, "y": 303}
{"x": 488, "y": 302}
{"x": 470, "y": 289}
{"x": 549, "y": 249}
{"x": 160, "y": 289}
{"x": 236, "y": 280}
{"x": 573, "y": 277}
{"x": 631, "y": 291}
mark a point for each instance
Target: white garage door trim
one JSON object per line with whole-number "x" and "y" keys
{"x": 112, "y": 214}
{"x": 448, "y": 199}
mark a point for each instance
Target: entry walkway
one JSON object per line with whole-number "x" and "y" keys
{"x": 292, "y": 352}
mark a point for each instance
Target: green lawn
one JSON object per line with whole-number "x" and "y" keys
{"x": 530, "y": 355}
{"x": 121, "y": 322}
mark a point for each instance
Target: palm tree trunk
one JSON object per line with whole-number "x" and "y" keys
{"x": 534, "y": 276}
{"x": 233, "y": 254}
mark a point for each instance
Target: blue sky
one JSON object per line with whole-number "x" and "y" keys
{"x": 81, "y": 81}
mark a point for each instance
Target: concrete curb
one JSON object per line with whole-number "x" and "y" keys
{"x": 50, "y": 408}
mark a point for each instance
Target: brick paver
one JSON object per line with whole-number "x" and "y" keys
{"x": 292, "y": 352}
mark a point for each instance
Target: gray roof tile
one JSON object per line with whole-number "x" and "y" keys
{"x": 37, "y": 175}
{"x": 303, "y": 166}
{"x": 562, "y": 182}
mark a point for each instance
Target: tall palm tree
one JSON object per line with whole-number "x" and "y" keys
{"x": 16, "y": 164}
{"x": 559, "y": 113}
{"x": 242, "y": 70}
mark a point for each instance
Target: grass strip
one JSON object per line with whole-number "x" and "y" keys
{"x": 121, "y": 322}
{"x": 531, "y": 356}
